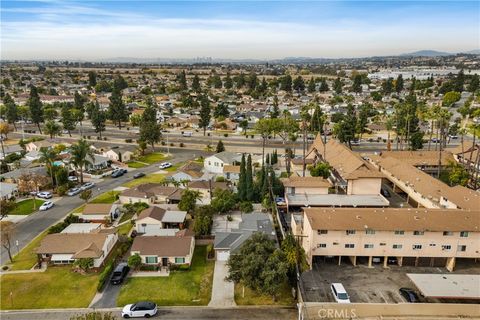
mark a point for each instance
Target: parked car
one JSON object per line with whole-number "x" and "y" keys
{"x": 119, "y": 273}
{"x": 280, "y": 201}
{"x": 385, "y": 193}
{"x": 392, "y": 260}
{"x": 140, "y": 309}
{"x": 46, "y": 205}
{"x": 72, "y": 178}
{"x": 187, "y": 134}
{"x": 165, "y": 165}
{"x": 339, "y": 293}
{"x": 409, "y": 295}
{"x": 74, "y": 191}
{"x": 117, "y": 173}
{"x": 138, "y": 175}
{"x": 377, "y": 260}
{"x": 88, "y": 185}
{"x": 44, "y": 195}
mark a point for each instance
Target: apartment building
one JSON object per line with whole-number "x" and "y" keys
{"x": 415, "y": 237}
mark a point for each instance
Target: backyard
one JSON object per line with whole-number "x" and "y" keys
{"x": 25, "y": 207}
{"x": 192, "y": 287}
{"x": 57, "y": 287}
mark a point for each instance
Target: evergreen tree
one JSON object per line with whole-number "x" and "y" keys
{"x": 299, "y": 84}
{"x": 311, "y": 85}
{"x": 150, "y": 130}
{"x": 117, "y": 109}
{"x": 387, "y": 86}
{"x": 357, "y": 83}
{"x": 267, "y": 159}
{"x": 68, "y": 119}
{"x": 182, "y": 81}
{"x": 399, "y": 84}
{"x": 98, "y": 119}
{"x": 337, "y": 86}
{"x": 242, "y": 182}
{"x": 204, "y": 113}
{"x": 92, "y": 79}
{"x": 275, "y": 112}
{"x": 11, "y": 113}
{"x": 36, "y": 107}
{"x": 249, "y": 179}
{"x": 323, "y": 86}
{"x": 228, "y": 83}
{"x": 220, "y": 146}
{"x": 196, "y": 84}
{"x": 474, "y": 83}
{"x": 286, "y": 83}
{"x": 221, "y": 110}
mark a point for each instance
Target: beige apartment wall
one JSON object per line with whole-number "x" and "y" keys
{"x": 308, "y": 191}
{"x": 364, "y": 186}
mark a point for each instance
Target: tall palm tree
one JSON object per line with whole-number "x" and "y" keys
{"x": 80, "y": 155}
{"x": 48, "y": 157}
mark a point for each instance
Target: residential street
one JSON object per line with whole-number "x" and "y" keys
{"x": 27, "y": 229}
{"x": 177, "y": 313}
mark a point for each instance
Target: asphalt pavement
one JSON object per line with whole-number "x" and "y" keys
{"x": 27, "y": 229}
{"x": 168, "y": 313}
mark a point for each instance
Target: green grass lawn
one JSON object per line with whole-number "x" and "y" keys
{"x": 107, "y": 197}
{"x": 175, "y": 167}
{"x": 149, "y": 178}
{"x": 152, "y": 158}
{"x": 125, "y": 228}
{"x": 136, "y": 165}
{"x": 252, "y": 298}
{"x": 58, "y": 287}
{"x": 27, "y": 257}
{"x": 25, "y": 207}
{"x": 193, "y": 287}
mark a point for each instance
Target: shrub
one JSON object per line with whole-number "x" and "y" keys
{"x": 61, "y": 190}
{"x": 172, "y": 144}
{"x": 104, "y": 275}
{"x": 182, "y": 145}
{"x": 128, "y": 140}
{"x": 220, "y": 179}
{"x": 105, "y": 138}
{"x": 163, "y": 143}
{"x": 225, "y": 135}
{"x": 246, "y": 206}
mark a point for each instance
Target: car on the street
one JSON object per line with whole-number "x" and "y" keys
{"x": 165, "y": 165}
{"x": 119, "y": 273}
{"x": 145, "y": 309}
{"x": 138, "y": 175}
{"x": 385, "y": 193}
{"x": 72, "y": 178}
{"x": 88, "y": 185}
{"x": 74, "y": 191}
{"x": 409, "y": 295}
{"x": 124, "y": 171}
{"x": 44, "y": 195}
{"x": 46, "y": 205}
{"x": 117, "y": 173}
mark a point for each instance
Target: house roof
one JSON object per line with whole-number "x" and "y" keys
{"x": 347, "y": 163}
{"x": 97, "y": 208}
{"x": 306, "y": 182}
{"x": 231, "y": 169}
{"x": 147, "y": 190}
{"x": 73, "y": 243}
{"x": 228, "y": 157}
{"x": 162, "y": 246}
{"x": 205, "y": 184}
{"x": 152, "y": 212}
{"x": 420, "y": 157}
{"x": 15, "y": 174}
{"x": 390, "y": 219}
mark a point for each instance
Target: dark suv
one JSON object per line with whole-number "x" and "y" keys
{"x": 119, "y": 273}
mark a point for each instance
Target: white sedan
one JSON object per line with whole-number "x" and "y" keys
{"x": 165, "y": 165}
{"x": 145, "y": 309}
{"x": 46, "y": 205}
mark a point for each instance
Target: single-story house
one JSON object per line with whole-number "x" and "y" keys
{"x": 8, "y": 190}
{"x": 100, "y": 212}
{"x": 65, "y": 248}
{"x": 15, "y": 176}
{"x": 164, "y": 250}
{"x": 205, "y": 187}
{"x": 118, "y": 154}
{"x": 9, "y": 149}
{"x": 149, "y": 193}
{"x": 231, "y": 173}
{"x": 216, "y": 162}
{"x": 152, "y": 219}
{"x": 191, "y": 171}
{"x": 82, "y": 228}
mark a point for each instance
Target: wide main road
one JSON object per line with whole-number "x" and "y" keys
{"x": 27, "y": 229}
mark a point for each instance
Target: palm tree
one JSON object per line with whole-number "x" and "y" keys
{"x": 48, "y": 157}
{"x": 52, "y": 128}
{"x": 80, "y": 153}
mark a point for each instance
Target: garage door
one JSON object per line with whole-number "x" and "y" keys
{"x": 223, "y": 255}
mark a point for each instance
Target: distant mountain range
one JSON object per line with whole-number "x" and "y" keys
{"x": 434, "y": 53}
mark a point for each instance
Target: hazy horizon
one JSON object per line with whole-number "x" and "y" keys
{"x": 92, "y": 31}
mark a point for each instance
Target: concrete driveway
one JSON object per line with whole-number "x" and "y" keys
{"x": 222, "y": 290}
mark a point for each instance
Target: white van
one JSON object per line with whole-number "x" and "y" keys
{"x": 339, "y": 293}
{"x": 187, "y": 134}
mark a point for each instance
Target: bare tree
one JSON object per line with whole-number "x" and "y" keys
{"x": 7, "y": 231}
{"x": 30, "y": 183}
{"x": 6, "y": 206}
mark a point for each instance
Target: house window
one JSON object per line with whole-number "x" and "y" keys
{"x": 383, "y": 244}
{"x": 461, "y": 248}
{"x": 151, "y": 260}
{"x": 319, "y": 232}
{"x": 349, "y": 245}
{"x": 368, "y": 231}
{"x": 397, "y": 246}
{"x": 209, "y": 163}
{"x": 399, "y": 232}
{"x": 368, "y": 246}
{"x": 464, "y": 234}
{"x": 446, "y": 247}
{"x": 179, "y": 260}
{"x": 418, "y": 233}
{"x": 349, "y": 232}
{"x": 321, "y": 245}
{"x": 417, "y": 247}
{"x": 447, "y": 233}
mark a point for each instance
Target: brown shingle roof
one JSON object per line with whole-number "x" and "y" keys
{"x": 231, "y": 169}
{"x": 205, "y": 184}
{"x": 419, "y": 158}
{"x": 162, "y": 246}
{"x": 148, "y": 190}
{"x": 313, "y": 182}
{"x": 73, "y": 243}
{"x": 97, "y": 208}
{"x": 152, "y": 212}
{"x": 391, "y": 219}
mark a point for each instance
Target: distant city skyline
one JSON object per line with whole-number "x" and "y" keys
{"x": 95, "y": 30}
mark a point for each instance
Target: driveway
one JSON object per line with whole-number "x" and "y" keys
{"x": 222, "y": 290}
{"x": 107, "y": 298}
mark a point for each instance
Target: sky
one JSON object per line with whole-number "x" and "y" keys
{"x": 92, "y": 30}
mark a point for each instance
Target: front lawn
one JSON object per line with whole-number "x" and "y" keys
{"x": 152, "y": 158}
{"x": 149, "y": 178}
{"x": 175, "y": 167}
{"x": 25, "y": 207}
{"x": 107, "y": 197}
{"x": 58, "y": 287}
{"x": 250, "y": 297}
{"x": 181, "y": 288}
{"x": 136, "y": 165}
{"x": 27, "y": 257}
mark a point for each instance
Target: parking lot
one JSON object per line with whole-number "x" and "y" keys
{"x": 366, "y": 285}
